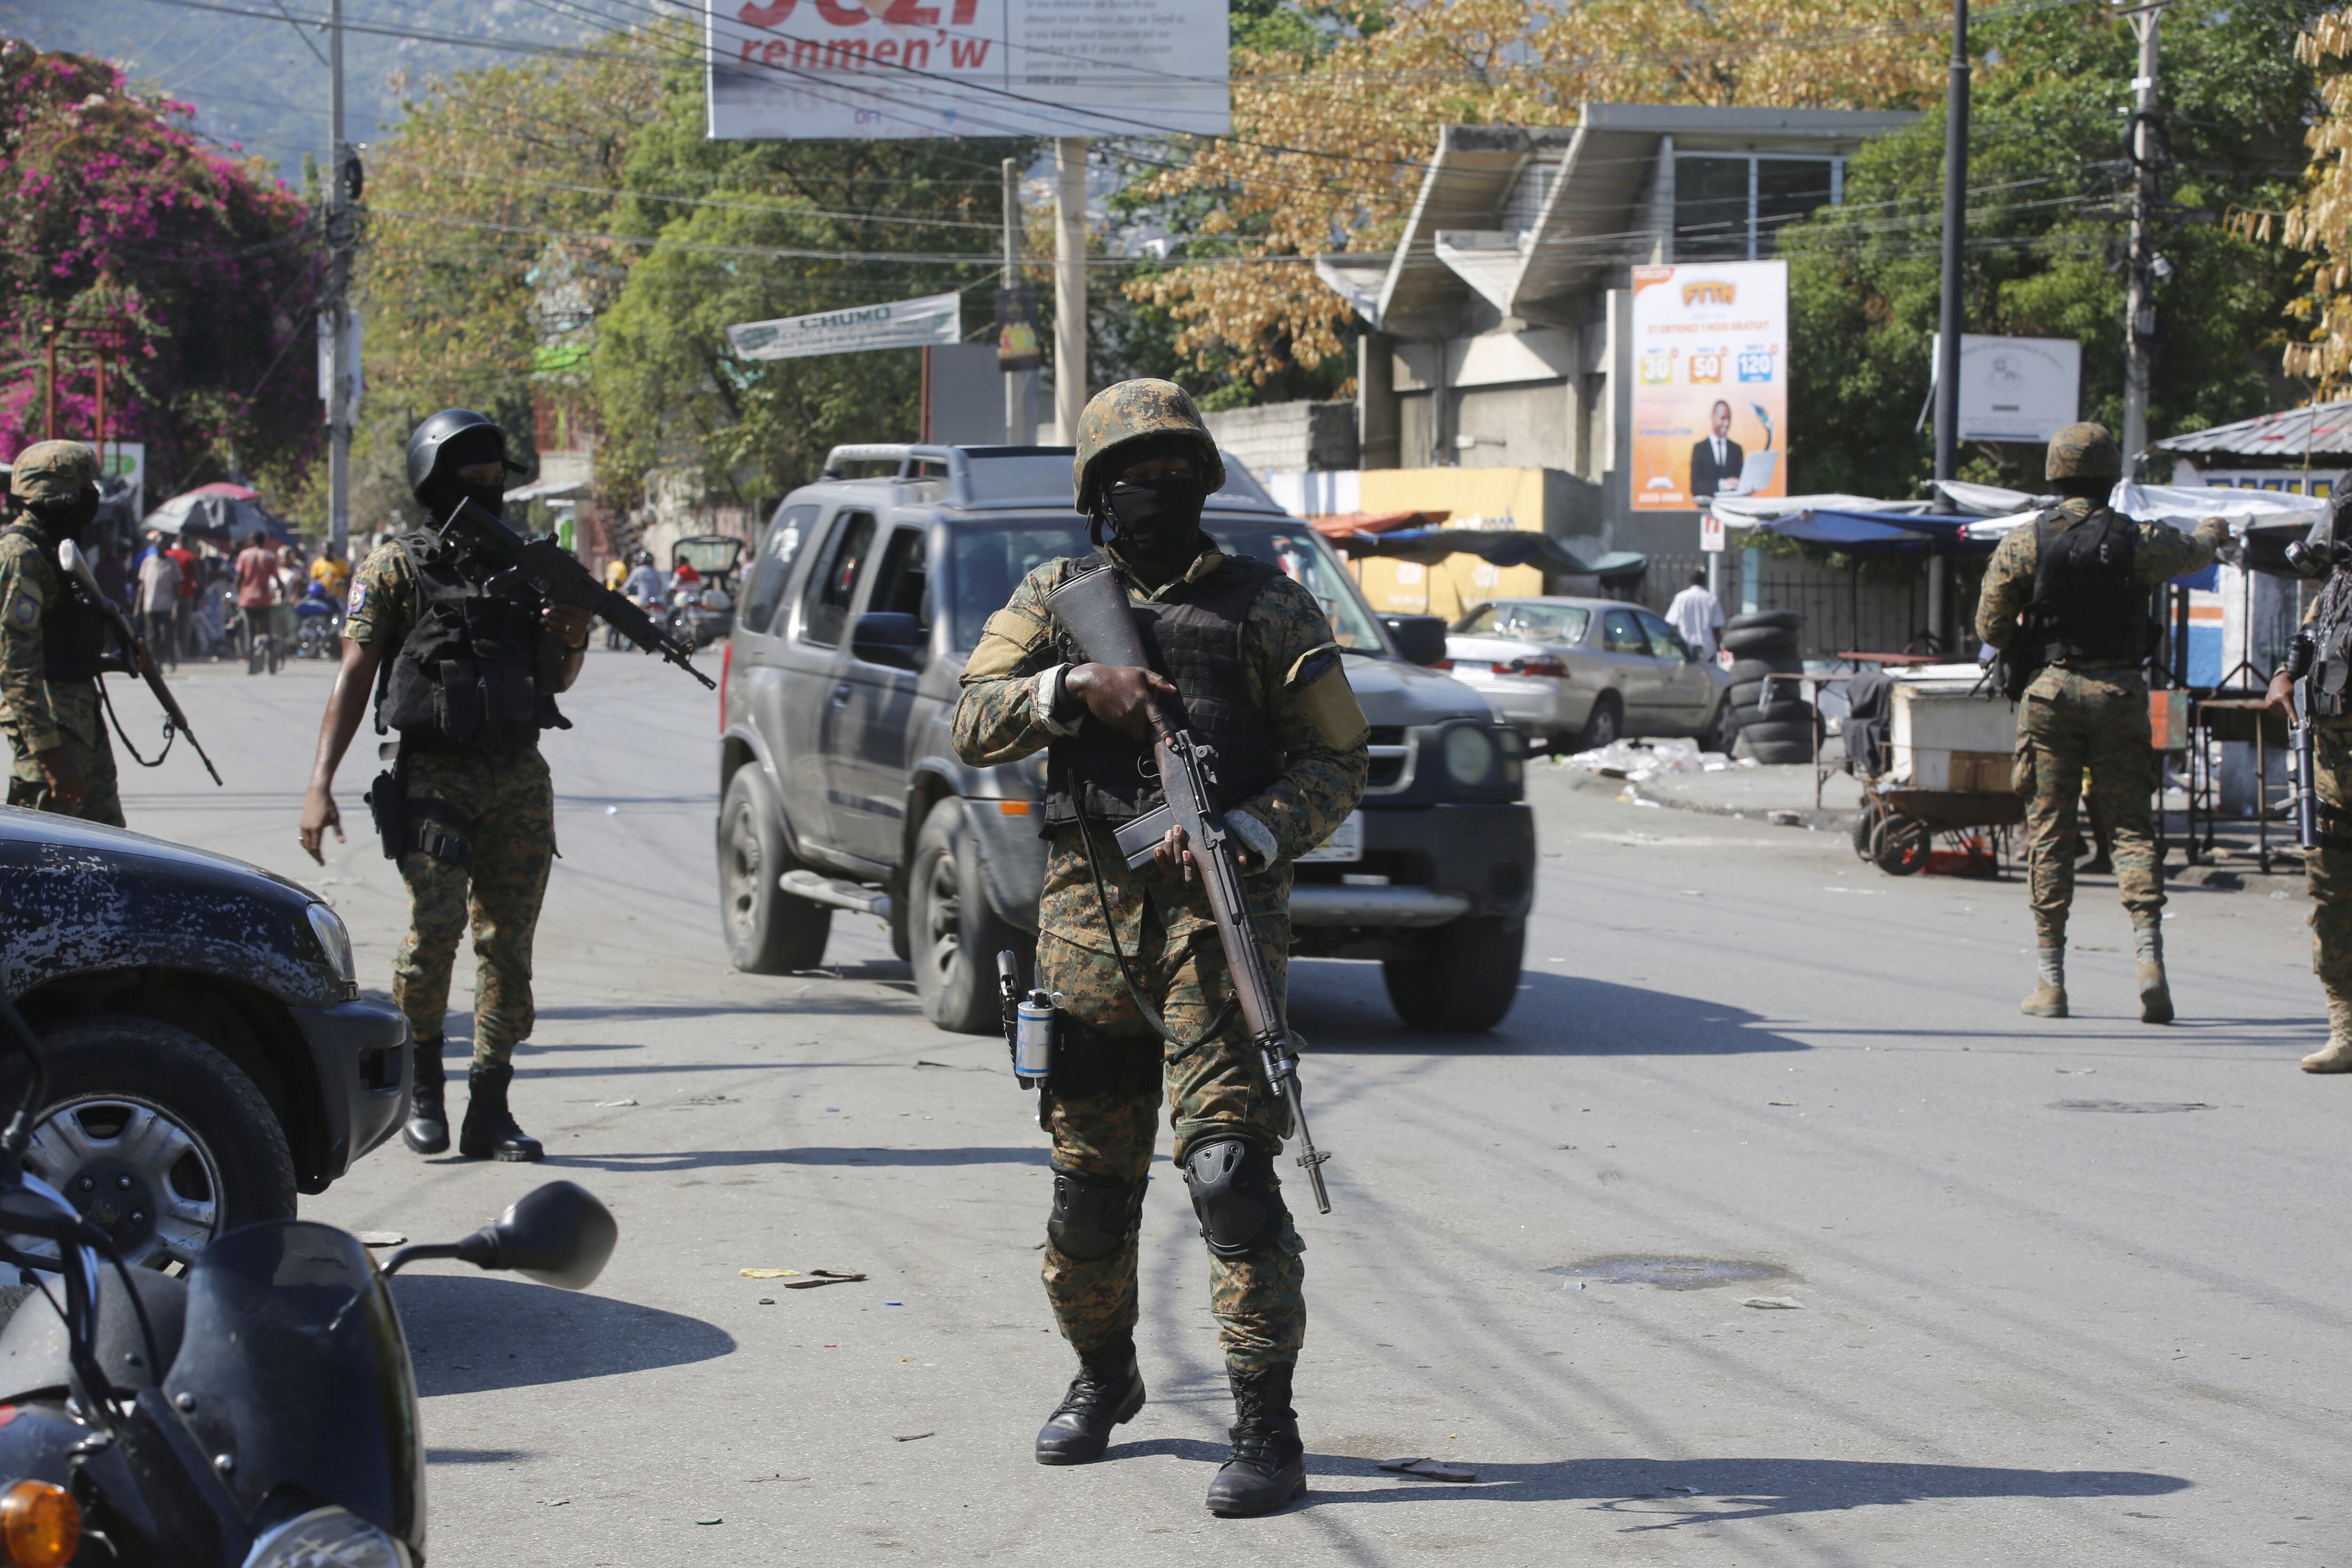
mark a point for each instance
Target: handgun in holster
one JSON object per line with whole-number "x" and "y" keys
{"x": 387, "y": 800}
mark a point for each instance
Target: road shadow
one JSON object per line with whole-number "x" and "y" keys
{"x": 1643, "y": 1491}
{"x": 1556, "y": 1015}
{"x": 468, "y": 1333}
{"x": 723, "y": 1158}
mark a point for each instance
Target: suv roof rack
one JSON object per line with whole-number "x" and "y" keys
{"x": 911, "y": 454}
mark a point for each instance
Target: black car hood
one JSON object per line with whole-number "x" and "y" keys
{"x": 77, "y": 897}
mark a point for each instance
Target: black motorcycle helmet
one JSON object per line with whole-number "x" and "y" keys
{"x": 450, "y": 440}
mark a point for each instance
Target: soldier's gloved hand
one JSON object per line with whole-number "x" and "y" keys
{"x": 569, "y": 624}
{"x": 1120, "y": 696}
{"x": 62, "y": 774}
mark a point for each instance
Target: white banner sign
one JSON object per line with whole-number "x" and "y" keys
{"x": 901, "y": 324}
{"x": 859, "y": 69}
{"x": 1710, "y": 382}
{"x": 2015, "y": 389}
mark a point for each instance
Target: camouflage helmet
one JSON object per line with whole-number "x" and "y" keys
{"x": 2083, "y": 451}
{"x": 53, "y": 471}
{"x": 1133, "y": 412}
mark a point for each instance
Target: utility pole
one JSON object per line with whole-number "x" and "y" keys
{"x": 342, "y": 176}
{"x": 49, "y": 380}
{"x": 2140, "y": 308}
{"x": 1020, "y": 395}
{"x": 1070, "y": 285}
{"x": 1949, "y": 320}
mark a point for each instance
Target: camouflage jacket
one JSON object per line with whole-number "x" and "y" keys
{"x": 1000, "y": 718}
{"x": 2163, "y": 552}
{"x": 39, "y": 713}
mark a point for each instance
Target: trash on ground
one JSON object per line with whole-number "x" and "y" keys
{"x": 1639, "y": 760}
{"x": 822, "y": 1276}
{"x": 1779, "y": 1103}
{"x": 914, "y": 1436}
{"x": 1687, "y": 1492}
{"x": 2079, "y": 1072}
{"x": 769, "y": 1273}
{"x": 2130, "y": 1107}
{"x": 609, "y": 1104}
{"x": 380, "y": 1239}
{"x": 1786, "y": 818}
{"x": 710, "y": 1522}
{"x": 1429, "y": 1469}
{"x": 894, "y": 1303}
{"x": 615, "y": 811}
{"x": 767, "y": 1300}
{"x": 1773, "y": 1303}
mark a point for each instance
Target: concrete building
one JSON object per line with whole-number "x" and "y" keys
{"x": 1500, "y": 324}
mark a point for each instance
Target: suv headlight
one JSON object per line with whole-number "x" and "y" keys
{"x": 328, "y": 927}
{"x": 327, "y": 1538}
{"x": 1469, "y": 754}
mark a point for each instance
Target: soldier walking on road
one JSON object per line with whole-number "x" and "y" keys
{"x": 2325, "y": 643}
{"x": 470, "y": 680}
{"x": 53, "y": 645}
{"x": 2068, "y": 595}
{"x": 1249, "y": 657}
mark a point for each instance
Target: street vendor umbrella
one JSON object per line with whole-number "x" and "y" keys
{"x": 1880, "y": 532}
{"x": 1497, "y": 547}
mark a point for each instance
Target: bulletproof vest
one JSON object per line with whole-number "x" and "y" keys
{"x": 469, "y": 674}
{"x": 2331, "y": 625}
{"x": 1194, "y": 637}
{"x": 73, "y": 633}
{"x": 2088, "y": 606}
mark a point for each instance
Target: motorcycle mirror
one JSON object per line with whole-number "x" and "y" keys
{"x": 558, "y": 1235}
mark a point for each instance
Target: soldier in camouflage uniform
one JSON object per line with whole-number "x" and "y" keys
{"x": 2070, "y": 593}
{"x": 469, "y": 677}
{"x": 2328, "y": 868}
{"x": 52, "y": 647}
{"x": 1257, "y": 672}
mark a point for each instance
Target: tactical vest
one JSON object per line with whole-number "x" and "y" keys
{"x": 2331, "y": 626}
{"x": 2088, "y": 607}
{"x": 73, "y": 634}
{"x": 1194, "y": 637}
{"x": 470, "y": 673}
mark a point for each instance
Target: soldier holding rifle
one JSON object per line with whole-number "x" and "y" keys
{"x": 1129, "y": 943}
{"x": 2312, "y": 685}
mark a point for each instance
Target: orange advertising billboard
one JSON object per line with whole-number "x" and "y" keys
{"x": 1710, "y": 348}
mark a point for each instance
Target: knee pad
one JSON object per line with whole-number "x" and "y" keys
{"x": 1234, "y": 1194}
{"x": 1093, "y": 1216}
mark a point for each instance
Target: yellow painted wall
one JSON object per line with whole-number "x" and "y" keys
{"x": 1476, "y": 498}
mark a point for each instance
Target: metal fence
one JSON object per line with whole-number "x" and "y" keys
{"x": 1878, "y": 608}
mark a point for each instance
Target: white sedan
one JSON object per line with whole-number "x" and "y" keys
{"x": 1579, "y": 673}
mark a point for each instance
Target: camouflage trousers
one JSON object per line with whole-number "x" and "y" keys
{"x": 2329, "y": 872}
{"x": 1105, "y": 1124}
{"x": 2069, "y": 721}
{"x": 102, "y": 800}
{"x": 505, "y": 805}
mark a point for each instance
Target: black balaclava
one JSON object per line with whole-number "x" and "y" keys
{"x": 1157, "y": 522}
{"x": 2083, "y": 487}
{"x": 65, "y": 519}
{"x": 482, "y": 444}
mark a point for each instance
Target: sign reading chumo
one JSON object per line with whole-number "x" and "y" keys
{"x": 826, "y": 70}
{"x": 1710, "y": 347}
{"x": 2015, "y": 389}
{"x": 901, "y": 324}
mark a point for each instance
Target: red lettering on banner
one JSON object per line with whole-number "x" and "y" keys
{"x": 968, "y": 54}
{"x": 752, "y": 47}
{"x": 774, "y": 53}
{"x": 915, "y": 54}
{"x": 807, "y": 54}
{"x": 839, "y": 15}
{"x": 907, "y": 14}
{"x": 846, "y": 56}
{"x": 886, "y": 53}
{"x": 965, "y": 10}
{"x": 767, "y": 16}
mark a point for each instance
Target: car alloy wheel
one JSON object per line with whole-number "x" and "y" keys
{"x": 134, "y": 1172}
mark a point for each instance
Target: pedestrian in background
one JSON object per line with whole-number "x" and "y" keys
{"x": 2068, "y": 595}
{"x": 1696, "y": 614}
{"x": 257, "y": 589}
{"x": 184, "y": 612}
{"x": 158, "y": 601}
{"x": 112, "y": 570}
{"x": 331, "y": 572}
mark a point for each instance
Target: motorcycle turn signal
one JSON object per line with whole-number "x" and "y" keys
{"x": 40, "y": 1525}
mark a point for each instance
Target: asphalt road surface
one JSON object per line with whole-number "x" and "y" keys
{"x": 2068, "y": 1292}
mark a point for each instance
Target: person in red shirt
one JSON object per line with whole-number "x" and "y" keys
{"x": 184, "y": 612}
{"x": 257, "y": 589}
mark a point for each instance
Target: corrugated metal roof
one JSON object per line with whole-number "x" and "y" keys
{"x": 2324, "y": 428}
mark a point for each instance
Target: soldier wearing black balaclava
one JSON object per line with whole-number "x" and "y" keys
{"x": 53, "y": 646}
{"x": 465, "y": 672}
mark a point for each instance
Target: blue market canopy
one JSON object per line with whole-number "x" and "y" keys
{"x": 1497, "y": 547}
{"x": 1879, "y": 532}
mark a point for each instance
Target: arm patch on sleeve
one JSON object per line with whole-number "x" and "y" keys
{"x": 24, "y": 612}
{"x": 1319, "y": 679}
{"x": 1005, "y": 642}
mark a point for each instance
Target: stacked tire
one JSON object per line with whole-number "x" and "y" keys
{"x": 1774, "y": 723}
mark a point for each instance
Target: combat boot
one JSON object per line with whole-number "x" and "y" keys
{"x": 427, "y": 1128}
{"x": 2335, "y": 1056}
{"x": 2155, "y": 994}
{"x": 1107, "y": 1392}
{"x": 490, "y": 1131}
{"x": 2049, "y": 998}
{"x": 1269, "y": 1470}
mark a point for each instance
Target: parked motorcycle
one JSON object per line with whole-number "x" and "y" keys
{"x": 259, "y": 1412}
{"x": 318, "y": 624}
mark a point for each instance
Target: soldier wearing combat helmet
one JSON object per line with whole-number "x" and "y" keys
{"x": 1132, "y": 955}
{"x": 53, "y": 646}
{"x": 2068, "y": 597}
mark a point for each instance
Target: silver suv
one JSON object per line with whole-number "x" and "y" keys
{"x": 839, "y": 787}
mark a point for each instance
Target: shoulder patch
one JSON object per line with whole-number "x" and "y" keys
{"x": 359, "y": 596}
{"x": 24, "y": 612}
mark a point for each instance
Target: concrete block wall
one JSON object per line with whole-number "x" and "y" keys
{"x": 1288, "y": 436}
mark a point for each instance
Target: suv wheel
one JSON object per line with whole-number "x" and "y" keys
{"x": 952, "y": 934}
{"x": 768, "y": 932}
{"x": 1462, "y": 979}
{"x": 157, "y": 1138}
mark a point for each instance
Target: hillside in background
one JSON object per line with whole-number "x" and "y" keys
{"x": 258, "y": 82}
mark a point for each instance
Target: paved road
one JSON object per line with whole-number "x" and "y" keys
{"x": 2027, "y": 1332}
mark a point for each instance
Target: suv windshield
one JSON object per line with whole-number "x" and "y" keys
{"x": 991, "y": 559}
